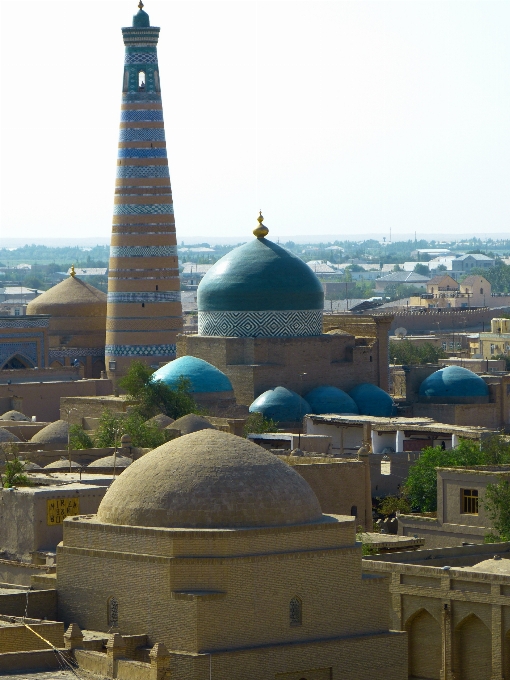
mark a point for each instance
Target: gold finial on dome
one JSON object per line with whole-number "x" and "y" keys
{"x": 140, "y": 5}
{"x": 261, "y": 230}
{"x": 72, "y": 272}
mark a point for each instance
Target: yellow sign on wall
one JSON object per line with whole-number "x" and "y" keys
{"x": 60, "y": 508}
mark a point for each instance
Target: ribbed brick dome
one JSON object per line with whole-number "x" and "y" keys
{"x": 206, "y": 480}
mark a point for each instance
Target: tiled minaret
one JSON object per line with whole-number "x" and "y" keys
{"x": 144, "y": 311}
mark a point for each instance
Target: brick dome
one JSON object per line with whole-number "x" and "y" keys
{"x": 206, "y": 480}
{"x": 71, "y": 297}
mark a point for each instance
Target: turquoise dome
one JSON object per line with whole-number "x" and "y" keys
{"x": 203, "y": 376}
{"x": 329, "y": 399}
{"x": 372, "y": 400}
{"x": 258, "y": 276}
{"x": 141, "y": 19}
{"x": 455, "y": 384}
{"x": 282, "y": 405}
{"x": 260, "y": 290}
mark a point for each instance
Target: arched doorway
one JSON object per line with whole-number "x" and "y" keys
{"x": 473, "y": 650}
{"x": 17, "y": 361}
{"x": 424, "y": 640}
{"x": 97, "y": 367}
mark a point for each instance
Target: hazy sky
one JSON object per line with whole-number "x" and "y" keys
{"x": 342, "y": 117}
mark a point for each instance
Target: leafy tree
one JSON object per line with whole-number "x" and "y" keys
{"x": 421, "y": 269}
{"x": 154, "y": 396}
{"x": 409, "y": 353}
{"x": 397, "y": 268}
{"x": 441, "y": 268}
{"x": 257, "y": 424}
{"x": 392, "y": 504}
{"x": 506, "y": 358}
{"x": 397, "y": 291}
{"x": 113, "y": 425}
{"x": 79, "y": 439}
{"x": 497, "y": 504}
{"x": 420, "y": 487}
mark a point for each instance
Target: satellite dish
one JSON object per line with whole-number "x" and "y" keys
{"x": 401, "y": 332}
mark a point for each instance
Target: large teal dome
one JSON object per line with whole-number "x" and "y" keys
{"x": 454, "y": 384}
{"x": 282, "y": 405}
{"x": 203, "y": 376}
{"x": 372, "y": 401}
{"x": 260, "y": 290}
{"x": 327, "y": 399}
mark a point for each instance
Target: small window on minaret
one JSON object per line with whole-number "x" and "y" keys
{"x": 156, "y": 81}
{"x": 125, "y": 86}
{"x": 141, "y": 81}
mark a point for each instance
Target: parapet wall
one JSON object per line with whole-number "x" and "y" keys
{"x": 448, "y": 319}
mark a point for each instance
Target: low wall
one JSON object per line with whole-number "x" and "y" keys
{"x": 41, "y": 603}
{"x": 18, "y": 662}
{"x": 17, "y": 637}
{"x": 20, "y": 573}
{"x": 42, "y": 399}
{"x": 448, "y": 319}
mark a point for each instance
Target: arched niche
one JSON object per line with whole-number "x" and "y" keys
{"x": 425, "y": 645}
{"x": 472, "y": 649}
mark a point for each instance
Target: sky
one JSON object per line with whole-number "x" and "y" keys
{"x": 344, "y": 118}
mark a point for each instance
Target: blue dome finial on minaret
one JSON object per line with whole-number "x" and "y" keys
{"x": 141, "y": 18}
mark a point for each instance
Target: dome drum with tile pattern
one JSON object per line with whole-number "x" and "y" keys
{"x": 209, "y": 480}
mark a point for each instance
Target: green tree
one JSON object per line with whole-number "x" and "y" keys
{"x": 409, "y": 353}
{"x": 257, "y": 424}
{"x": 14, "y": 473}
{"x": 497, "y": 505}
{"x": 421, "y": 269}
{"x": 154, "y": 396}
{"x": 392, "y": 504}
{"x": 113, "y": 425}
{"x": 79, "y": 439}
{"x": 420, "y": 487}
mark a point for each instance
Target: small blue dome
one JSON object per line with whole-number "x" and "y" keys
{"x": 259, "y": 276}
{"x": 282, "y": 405}
{"x": 204, "y": 377}
{"x": 141, "y": 19}
{"x": 372, "y": 400}
{"x": 454, "y": 382}
{"x": 329, "y": 399}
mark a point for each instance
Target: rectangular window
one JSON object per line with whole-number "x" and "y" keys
{"x": 17, "y": 311}
{"x": 469, "y": 501}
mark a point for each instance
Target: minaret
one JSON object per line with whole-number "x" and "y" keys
{"x": 144, "y": 311}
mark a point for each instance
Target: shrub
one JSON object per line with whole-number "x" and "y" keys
{"x": 79, "y": 439}
{"x": 113, "y": 425}
{"x": 257, "y": 424}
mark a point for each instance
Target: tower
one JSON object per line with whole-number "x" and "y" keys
{"x": 144, "y": 312}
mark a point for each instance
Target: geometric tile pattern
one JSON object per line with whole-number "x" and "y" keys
{"x": 143, "y": 251}
{"x": 142, "y": 135}
{"x": 141, "y": 209}
{"x": 141, "y": 153}
{"x": 24, "y": 322}
{"x": 140, "y": 350}
{"x": 24, "y": 349}
{"x": 126, "y": 171}
{"x": 135, "y": 116}
{"x": 140, "y": 296}
{"x": 141, "y": 58}
{"x": 263, "y": 324}
{"x": 74, "y": 352}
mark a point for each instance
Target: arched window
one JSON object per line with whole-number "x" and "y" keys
{"x": 295, "y": 611}
{"x": 17, "y": 361}
{"x": 113, "y": 612}
{"x": 141, "y": 81}
{"x": 481, "y": 291}
{"x": 354, "y": 510}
